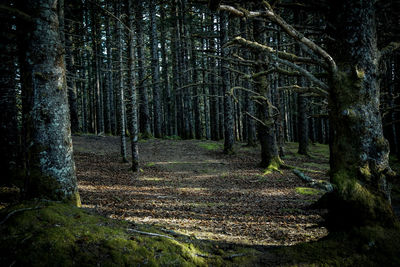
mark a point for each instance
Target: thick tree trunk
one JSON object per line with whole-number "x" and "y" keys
{"x": 359, "y": 152}
{"x": 51, "y": 169}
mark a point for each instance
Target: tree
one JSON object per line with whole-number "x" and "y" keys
{"x": 144, "y": 114}
{"x": 228, "y": 106}
{"x": 132, "y": 87}
{"x": 50, "y": 165}
{"x": 359, "y": 153}
{"x": 155, "y": 71}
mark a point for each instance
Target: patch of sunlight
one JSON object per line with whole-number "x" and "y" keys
{"x": 150, "y": 164}
{"x": 275, "y": 193}
{"x": 151, "y": 179}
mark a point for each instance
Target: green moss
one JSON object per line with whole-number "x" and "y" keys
{"x": 274, "y": 166}
{"x": 150, "y": 164}
{"x": 357, "y": 203}
{"x": 57, "y": 234}
{"x": 211, "y": 146}
{"x": 307, "y": 191}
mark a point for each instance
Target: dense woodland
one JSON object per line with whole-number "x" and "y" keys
{"x": 255, "y": 73}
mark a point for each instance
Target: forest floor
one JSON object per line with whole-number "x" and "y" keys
{"x": 191, "y": 187}
{"x": 190, "y": 205}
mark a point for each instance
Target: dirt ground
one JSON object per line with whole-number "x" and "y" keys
{"x": 190, "y": 187}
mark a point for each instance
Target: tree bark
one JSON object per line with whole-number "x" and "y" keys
{"x": 228, "y": 105}
{"x": 155, "y": 68}
{"x": 266, "y": 130}
{"x": 131, "y": 83}
{"x": 359, "y": 153}
{"x": 50, "y": 165}
{"x": 121, "y": 98}
{"x": 144, "y": 114}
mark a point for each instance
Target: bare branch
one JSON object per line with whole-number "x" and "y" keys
{"x": 300, "y": 89}
{"x": 269, "y": 14}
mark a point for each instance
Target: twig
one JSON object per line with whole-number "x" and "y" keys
{"x": 150, "y": 234}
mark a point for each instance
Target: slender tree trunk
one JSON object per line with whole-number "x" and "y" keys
{"x": 168, "y": 120}
{"x": 214, "y": 108}
{"x": 50, "y": 165}
{"x": 198, "y": 129}
{"x": 109, "y": 95}
{"x": 359, "y": 152}
{"x": 157, "y": 115}
{"x": 71, "y": 83}
{"x": 121, "y": 98}
{"x": 131, "y": 83}
{"x": 228, "y": 105}
{"x": 144, "y": 114}
{"x": 266, "y": 130}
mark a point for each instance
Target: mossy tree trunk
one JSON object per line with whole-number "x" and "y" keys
{"x": 359, "y": 152}
{"x": 50, "y": 165}
{"x": 266, "y": 128}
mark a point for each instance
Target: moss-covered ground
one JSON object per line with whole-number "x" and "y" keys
{"x": 42, "y": 233}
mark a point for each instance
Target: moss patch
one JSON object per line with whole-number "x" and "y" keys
{"x": 56, "y": 234}
{"x": 274, "y": 166}
{"x": 307, "y": 191}
{"x": 213, "y": 146}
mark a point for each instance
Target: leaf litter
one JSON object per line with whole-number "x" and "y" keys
{"x": 191, "y": 187}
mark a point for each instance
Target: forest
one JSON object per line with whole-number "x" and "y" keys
{"x": 199, "y": 133}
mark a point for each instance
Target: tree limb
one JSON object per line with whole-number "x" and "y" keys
{"x": 269, "y": 14}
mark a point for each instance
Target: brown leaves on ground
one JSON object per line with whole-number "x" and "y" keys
{"x": 194, "y": 189}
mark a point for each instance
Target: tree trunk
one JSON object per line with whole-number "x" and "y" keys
{"x": 144, "y": 114}
{"x": 157, "y": 115}
{"x": 121, "y": 104}
{"x": 50, "y": 165}
{"x": 359, "y": 152}
{"x": 71, "y": 80}
{"x": 228, "y": 105}
{"x": 266, "y": 130}
{"x": 133, "y": 107}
